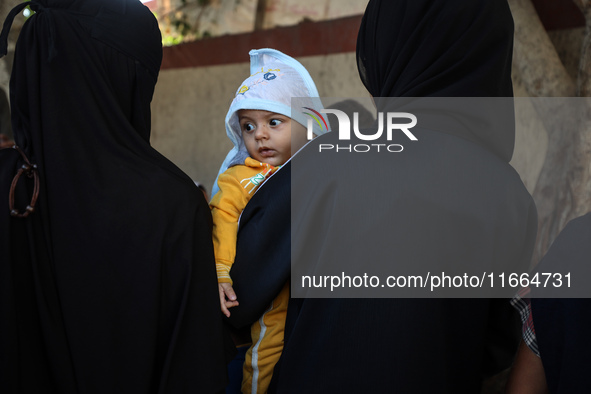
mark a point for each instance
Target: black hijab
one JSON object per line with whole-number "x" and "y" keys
{"x": 112, "y": 278}
{"x": 453, "y": 49}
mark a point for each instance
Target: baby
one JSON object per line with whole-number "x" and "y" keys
{"x": 260, "y": 124}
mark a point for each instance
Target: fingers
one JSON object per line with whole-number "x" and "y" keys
{"x": 227, "y": 298}
{"x": 230, "y": 295}
{"x": 225, "y": 310}
{"x": 230, "y": 304}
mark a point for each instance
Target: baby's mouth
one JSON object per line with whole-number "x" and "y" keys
{"x": 266, "y": 152}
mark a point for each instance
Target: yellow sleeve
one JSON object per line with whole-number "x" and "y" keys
{"x": 226, "y": 207}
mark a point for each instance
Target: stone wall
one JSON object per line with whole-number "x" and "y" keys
{"x": 531, "y": 140}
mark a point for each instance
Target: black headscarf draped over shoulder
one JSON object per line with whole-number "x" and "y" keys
{"x": 109, "y": 286}
{"x": 453, "y": 49}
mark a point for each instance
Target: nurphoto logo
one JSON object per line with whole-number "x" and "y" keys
{"x": 392, "y": 124}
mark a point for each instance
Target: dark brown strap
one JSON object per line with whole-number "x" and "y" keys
{"x": 30, "y": 170}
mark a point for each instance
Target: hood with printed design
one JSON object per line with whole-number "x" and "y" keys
{"x": 275, "y": 80}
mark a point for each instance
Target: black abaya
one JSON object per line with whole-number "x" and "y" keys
{"x": 562, "y": 324}
{"x": 110, "y": 286}
{"x": 454, "y": 199}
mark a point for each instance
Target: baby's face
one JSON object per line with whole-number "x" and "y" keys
{"x": 270, "y": 137}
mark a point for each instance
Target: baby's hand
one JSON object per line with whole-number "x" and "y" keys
{"x": 227, "y": 297}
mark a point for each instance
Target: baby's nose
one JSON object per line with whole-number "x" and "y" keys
{"x": 262, "y": 132}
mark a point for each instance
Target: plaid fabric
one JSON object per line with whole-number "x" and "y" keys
{"x": 522, "y": 303}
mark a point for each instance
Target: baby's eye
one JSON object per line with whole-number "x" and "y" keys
{"x": 275, "y": 122}
{"x": 248, "y": 127}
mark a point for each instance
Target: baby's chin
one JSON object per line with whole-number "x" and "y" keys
{"x": 273, "y": 160}
{"x": 274, "y": 163}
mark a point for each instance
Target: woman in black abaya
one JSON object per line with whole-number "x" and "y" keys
{"x": 450, "y": 198}
{"x": 109, "y": 285}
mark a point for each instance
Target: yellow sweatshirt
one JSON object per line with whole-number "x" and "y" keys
{"x": 237, "y": 185}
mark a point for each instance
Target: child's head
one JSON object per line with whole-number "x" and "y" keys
{"x": 275, "y": 79}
